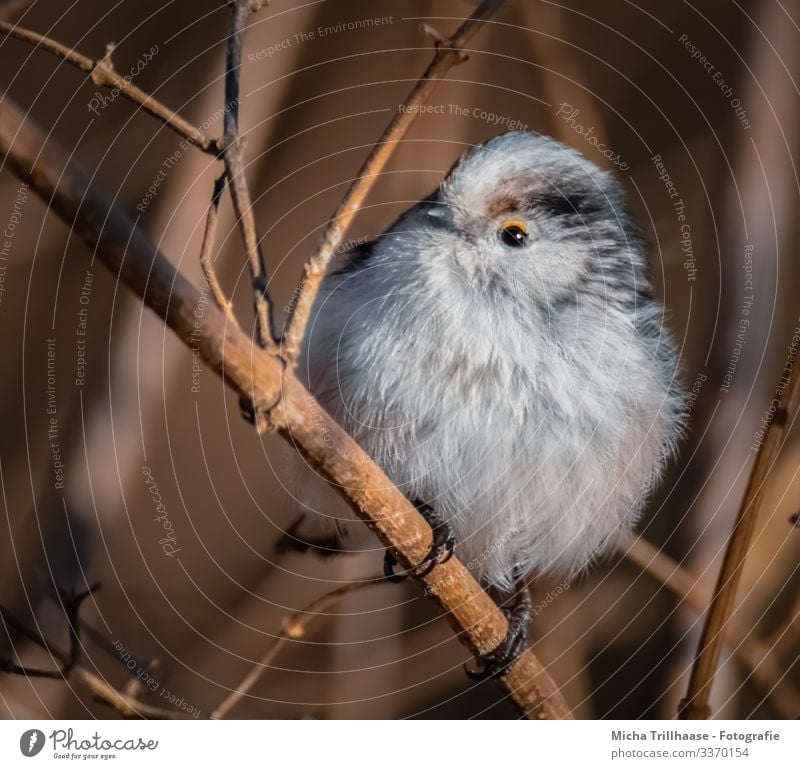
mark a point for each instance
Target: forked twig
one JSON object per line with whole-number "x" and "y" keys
{"x": 103, "y": 74}
{"x": 259, "y": 377}
{"x": 69, "y": 666}
{"x": 293, "y": 627}
{"x": 449, "y": 52}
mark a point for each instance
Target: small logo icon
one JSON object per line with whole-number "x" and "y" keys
{"x": 31, "y": 742}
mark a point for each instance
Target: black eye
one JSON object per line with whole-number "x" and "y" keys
{"x": 514, "y": 234}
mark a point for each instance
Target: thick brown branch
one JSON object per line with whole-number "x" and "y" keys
{"x": 103, "y": 74}
{"x": 695, "y": 705}
{"x": 448, "y": 54}
{"x": 260, "y": 377}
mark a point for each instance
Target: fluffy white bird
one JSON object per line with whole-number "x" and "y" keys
{"x": 499, "y": 353}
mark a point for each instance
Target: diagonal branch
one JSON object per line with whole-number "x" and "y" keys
{"x": 695, "y": 704}
{"x": 449, "y": 52}
{"x": 125, "y": 704}
{"x": 756, "y": 656}
{"x": 258, "y": 376}
{"x": 103, "y": 73}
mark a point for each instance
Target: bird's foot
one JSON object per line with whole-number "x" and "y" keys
{"x": 496, "y": 662}
{"x": 441, "y": 551}
{"x": 292, "y": 542}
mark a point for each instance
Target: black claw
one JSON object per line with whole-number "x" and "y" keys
{"x": 442, "y": 549}
{"x": 497, "y": 661}
{"x": 389, "y": 574}
{"x": 247, "y": 410}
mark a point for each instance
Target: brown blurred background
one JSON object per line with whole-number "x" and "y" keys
{"x": 618, "y": 642}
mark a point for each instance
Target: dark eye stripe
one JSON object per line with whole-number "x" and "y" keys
{"x": 561, "y": 205}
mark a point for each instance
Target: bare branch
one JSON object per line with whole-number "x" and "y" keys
{"x": 233, "y": 155}
{"x": 127, "y": 705}
{"x": 756, "y": 656}
{"x": 103, "y": 74}
{"x": 293, "y": 627}
{"x": 262, "y": 379}
{"x": 449, "y": 52}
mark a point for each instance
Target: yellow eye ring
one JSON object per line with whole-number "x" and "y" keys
{"x": 514, "y": 233}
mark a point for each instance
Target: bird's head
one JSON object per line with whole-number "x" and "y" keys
{"x": 531, "y": 218}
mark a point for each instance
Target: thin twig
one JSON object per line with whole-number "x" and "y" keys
{"x": 125, "y": 704}
{"x": 259, "y": 377}
{"x": 293, "y": 627}
{"x": 449, "y": 52}
{"x": 695, "y": 704}
{"x": 233, "y": 155}
{"x": 756, "y": 656}
{"x": 103, "y": 74}
{"x": 70, "y": 603}
{"x": 207, "y": 249}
